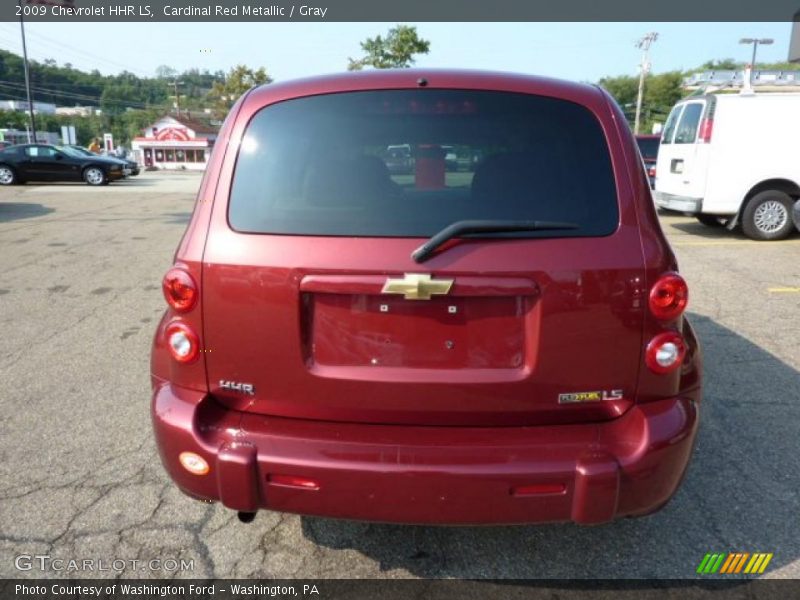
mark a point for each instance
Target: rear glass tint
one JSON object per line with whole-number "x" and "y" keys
{"x": 687, "y": 127}
{"x": 648, "y": 147}
{"x": 669, "y": 127}
{"x": 409, "y": 163}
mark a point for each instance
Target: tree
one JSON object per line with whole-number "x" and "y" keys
{"x": 661, "y": 92}
{"x": 238, "y": 80}
{"x": 165, "y": 72}
{"x": 725, "y": 64}
{"x": 623, "y": 88}
{"x": 397, "y": 50}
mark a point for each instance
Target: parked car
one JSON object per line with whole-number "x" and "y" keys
{"x": 42, "y": 162}
{"x": 399, "y": 159}
{"x": 450, "y": 158}
{"x": 648, "y": 147}
{"x": 505, "y": 347}
{"x": 131, "y": 165}
{"x": 731, "y": 159}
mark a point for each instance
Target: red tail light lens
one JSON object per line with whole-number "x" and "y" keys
{"x": 665, "y": 352}
{"x": 668, "y": 297}
{"x": 182, "y": 342}
{"x": 180, "y": 290}
{"x": 706, "y": 128}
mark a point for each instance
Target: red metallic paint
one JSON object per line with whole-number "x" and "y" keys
{"x": 433, "y": 424}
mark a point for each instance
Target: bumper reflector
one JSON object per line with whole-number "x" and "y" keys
{"x": 292, "y": 481}
{"x": 194, "y": 463}
{"x": 538, "y": 488}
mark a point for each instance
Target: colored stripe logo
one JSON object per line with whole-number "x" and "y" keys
{"x": 731, "y": 563}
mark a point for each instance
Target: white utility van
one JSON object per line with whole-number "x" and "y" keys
{"x": 733, "y": 159}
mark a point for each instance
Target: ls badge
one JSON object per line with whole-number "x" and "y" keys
{"x": 598, "y": 396}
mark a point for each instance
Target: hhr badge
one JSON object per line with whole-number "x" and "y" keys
{"x": 417, "y": 286}
{"x": 236, "y": 386}
{"x": 597, "y": 396}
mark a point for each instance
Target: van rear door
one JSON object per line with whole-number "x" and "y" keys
{"x": 683, "y": 154}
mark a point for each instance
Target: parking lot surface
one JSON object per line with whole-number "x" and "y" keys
{"x": 80, "y": 477}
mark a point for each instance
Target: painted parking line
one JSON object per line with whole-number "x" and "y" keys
{"x": 784, "y": 290}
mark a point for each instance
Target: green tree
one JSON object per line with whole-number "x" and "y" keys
{"x": 720, "y": 64}
{"x": 165, "y": 72}
{"x": 661, "y": 92}
{"x": 396, "y": 50}
{"x": 623, "y": 88}
{"x": 239, "y": 79}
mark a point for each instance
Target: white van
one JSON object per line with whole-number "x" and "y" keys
{"x": 733, "y": 159}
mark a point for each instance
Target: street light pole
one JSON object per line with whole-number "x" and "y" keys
{"x": 27, "y": 75}
{"x": 755, "y": 42}
{"x": 644, "y": 44}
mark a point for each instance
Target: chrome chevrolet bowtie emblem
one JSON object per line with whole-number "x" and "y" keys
{"x": 417, "y": 286}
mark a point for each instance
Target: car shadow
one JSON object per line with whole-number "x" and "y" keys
{"x": 14, "y": 211}
{"x": 713, "y": 233}
{"x": 178, "y": 218}
{"x": 739, "y": 494}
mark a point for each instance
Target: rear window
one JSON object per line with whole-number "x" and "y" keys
{"x": 669, "y": 127}
{"x": 648, "y": 147}
{"x": 407, "y": 163}
{"x": 687, "y": 127}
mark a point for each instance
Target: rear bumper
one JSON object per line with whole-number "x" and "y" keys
{"x": 588, "y": 473}
{"x": 678, "y": 203}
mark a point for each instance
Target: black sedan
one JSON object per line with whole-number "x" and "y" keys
{"x": 131, "y": 164}
{"x": 41, "y": 162}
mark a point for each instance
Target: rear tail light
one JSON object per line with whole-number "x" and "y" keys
{"x": 182, "y": 342}
{"x": 179, "y": 289}
{"x": 665, "y": 352}
{"x": 668, "y": 297}
{"x": 651, "y": 171}
{"x": 706, "y": 128}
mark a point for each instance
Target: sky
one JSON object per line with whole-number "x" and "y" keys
{"x": 575, "y": 51}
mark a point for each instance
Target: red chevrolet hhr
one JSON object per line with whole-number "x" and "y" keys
{"x": 488, "y": 335}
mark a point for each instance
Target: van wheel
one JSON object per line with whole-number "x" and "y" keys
{"x": 768, "y": 216}
{"x": 710, "y": 220}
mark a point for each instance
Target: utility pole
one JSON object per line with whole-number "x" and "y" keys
{"x": 644, "y": 45}
{"x": 175, "y": 85}
{"x": 27, "y": 76}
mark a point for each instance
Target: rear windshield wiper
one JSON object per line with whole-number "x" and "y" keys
{"x": 458, "y": 228}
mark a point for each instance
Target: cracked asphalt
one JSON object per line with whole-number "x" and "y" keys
{"x": 80, "y": 478}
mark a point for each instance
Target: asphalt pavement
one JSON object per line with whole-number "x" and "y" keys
{"x": 80, "y": 479}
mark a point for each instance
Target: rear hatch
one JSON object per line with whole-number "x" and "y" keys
{"x": 311, "y": 296}
{"x": 684, "y": 150}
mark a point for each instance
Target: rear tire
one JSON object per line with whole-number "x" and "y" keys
{"x": 710, "y": 220}
{"x": 768, "y": 216}
{"x": 94, "y": 176}
{"x": 7, "y": 176}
